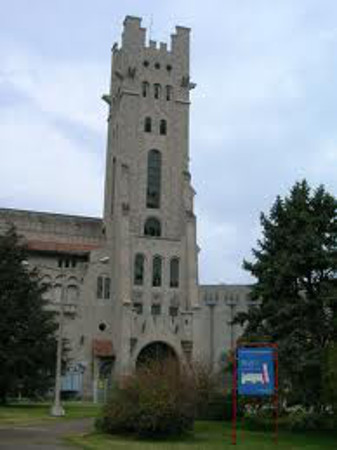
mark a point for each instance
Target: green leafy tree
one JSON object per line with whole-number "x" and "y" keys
{"x": 27, "y": 329}
{"x": 295, "y": 264}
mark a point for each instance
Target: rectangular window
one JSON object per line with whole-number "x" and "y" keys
{"x": 99, "y": 293}
{"x": 107, "y": 287}
{"x": 138, "y": 307}
{"x": 156, "y": 310}
{"x": 173, "y": 311}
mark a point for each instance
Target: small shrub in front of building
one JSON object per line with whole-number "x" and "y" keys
{"x": 157, "y": 400}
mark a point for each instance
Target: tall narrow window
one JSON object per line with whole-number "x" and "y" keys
{"x": 145, "y": 88}
{"x": 107, "y": 283}
{"x": 168, "y": 93}
{"x": 153, "y": 179}
{"x": 163, "y": 127}
{"x": 157, "y": 90}
{"x": 147, "y": 125}
{"x": 99, "y": 291}
{"x": 174, "y": 272}
{"x": 103, "y": 289}
{"x": 139, "y": 270}
{"x": 156, "y": 271}
{"x": 152, "y": 227}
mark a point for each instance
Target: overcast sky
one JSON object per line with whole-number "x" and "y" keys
{"x": 263, "y": 115}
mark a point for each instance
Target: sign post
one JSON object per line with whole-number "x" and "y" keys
{"x": 255, "y": 374}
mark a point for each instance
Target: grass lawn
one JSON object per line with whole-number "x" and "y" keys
{"x": 209, "y": 436}
{"x": 29, "y": 414}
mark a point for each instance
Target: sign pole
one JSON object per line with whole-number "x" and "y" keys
{"x": 234, "y": 398}
{"x": 276, "y": 394}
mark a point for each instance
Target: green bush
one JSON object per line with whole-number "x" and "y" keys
{"x": 301, "y": 419}
{"x": 157, "y": 400}
{"x": 259, "y": 415}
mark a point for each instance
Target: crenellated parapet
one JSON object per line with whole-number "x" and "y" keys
{"x": 138, "y": 65}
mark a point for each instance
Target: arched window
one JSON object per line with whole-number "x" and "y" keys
{"x": 156, "y": 271}
{"x": 57, "y": 294}
{"x": 148, "y": 125}
{"x": 153, "y": 179}
{"x": 168, "y": 93}
{"x": 157, "y": 91}
{"x": 152, "y": 227}
{"x": 145, "y": 88}
{"x": 72, "y": 293}
{"x": 46, "y": 284}
{"x": 174, "y": 272}
{"x": 163, "y": 127}
{"x": 138, "y": 277}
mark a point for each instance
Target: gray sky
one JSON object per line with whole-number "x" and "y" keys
{"x": 263, "y": 115}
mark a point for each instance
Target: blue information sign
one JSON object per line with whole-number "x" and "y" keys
{"x": 256, "y": 371}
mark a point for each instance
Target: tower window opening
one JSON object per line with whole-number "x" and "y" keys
{"x": 148, "y": 125}
{"x": 138, "y": 308}
{"x": 146, "y": 63}
{"x": 174, "y": 273}
{"x": 145, "y": 88}
{"x": 107, "y": 284}
{"x": 173, "y": 311}
{"x": 103, "y": 287}
{"x": 102, "y": 326}
{"x": 155, "y": 310}
{"x": 139, "y": 270}
{"x": 156, "y": 271}
{"x": 169, "y": 67}
{"x": 163, "y": 127}
{"x": 168, "y": 93}
{"x": 153, "y": 179}
{"x": 157, "y": 65}
{"x": 157, "y": 90}
{"x": 152, "y": 227}
{"x": 99, "y": 291}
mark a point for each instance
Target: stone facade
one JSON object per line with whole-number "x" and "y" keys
{"x": 147, "y": 292}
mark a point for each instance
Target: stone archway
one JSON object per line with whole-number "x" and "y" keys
{"x": 157, "y": 351}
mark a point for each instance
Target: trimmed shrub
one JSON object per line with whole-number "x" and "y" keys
{"x": 157, "y": 400}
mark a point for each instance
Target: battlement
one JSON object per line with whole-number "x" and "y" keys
{"x": 134, "y": 38}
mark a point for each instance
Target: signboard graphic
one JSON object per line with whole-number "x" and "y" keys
{"x": 255, "y": 371}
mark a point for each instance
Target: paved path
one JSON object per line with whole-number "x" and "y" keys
{"x": 47, "y": 436}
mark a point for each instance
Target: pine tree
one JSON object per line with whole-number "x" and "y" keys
{"x": 295, "y": 265}
{"x": 27, "y": 329}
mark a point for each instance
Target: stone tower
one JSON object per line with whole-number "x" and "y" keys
{"x": 149, "y": 221}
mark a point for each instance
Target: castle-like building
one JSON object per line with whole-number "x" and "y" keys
{"x": 129, "y": 281}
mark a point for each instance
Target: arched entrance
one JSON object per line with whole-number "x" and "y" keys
{"x": 156, "y": 352}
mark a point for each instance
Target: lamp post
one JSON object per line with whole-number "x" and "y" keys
{"x": 57, "y": 409}
{"x": 211, "y": 301}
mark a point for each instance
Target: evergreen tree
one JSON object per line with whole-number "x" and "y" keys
{"x": 295, "y": 265}
{"x": 27, "y": 329}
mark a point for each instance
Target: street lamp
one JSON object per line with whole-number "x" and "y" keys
{"x": 57, "y": 409}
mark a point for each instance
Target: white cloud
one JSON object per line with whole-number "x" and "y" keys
{"x": 70, "y": 89}
{"x": 44, "y": 170}
{"x": 263, "y": 112}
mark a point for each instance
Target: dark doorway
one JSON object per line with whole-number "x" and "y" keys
{"x": 156, "y": 352}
